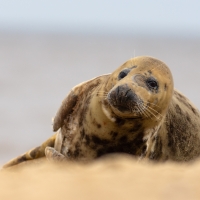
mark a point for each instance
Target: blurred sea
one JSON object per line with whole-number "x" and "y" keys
{"x": 38, "y": 70}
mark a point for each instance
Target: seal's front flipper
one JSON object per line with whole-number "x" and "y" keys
{"x": 35, "y": 153}
{"x": 69, "y": 103}
{"x": 53, "y": 155}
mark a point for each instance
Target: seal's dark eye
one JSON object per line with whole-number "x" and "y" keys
{"x": 152, "y": 84}
{"x": 123, "y": 73}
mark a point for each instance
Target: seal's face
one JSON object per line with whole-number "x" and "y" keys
{"x": 140, "y": 88}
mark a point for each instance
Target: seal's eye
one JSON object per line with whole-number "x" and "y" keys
{"x": 152, "y": 84}
{"x": 123, "y": 73}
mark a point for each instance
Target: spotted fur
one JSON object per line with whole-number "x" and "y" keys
{"x": 134, "y": 110}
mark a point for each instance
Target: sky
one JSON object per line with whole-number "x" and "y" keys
{"x": 119, "y": 16}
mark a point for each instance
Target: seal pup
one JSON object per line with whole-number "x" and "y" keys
{"x": 133, "y": 110}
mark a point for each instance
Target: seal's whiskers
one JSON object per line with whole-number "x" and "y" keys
{"x": 151, "y": 113}
{"x": 141, "y": 110}
{"x": 102, "y": 94}
{"x": 145, "y": 111}
{"x": 155, "y": 111}
{"x": 147, "y": 102}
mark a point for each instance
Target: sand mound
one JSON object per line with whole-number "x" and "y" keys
{"x": 118, "y": 177}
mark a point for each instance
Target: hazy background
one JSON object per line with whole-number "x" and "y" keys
{"x": 47, "y": 47}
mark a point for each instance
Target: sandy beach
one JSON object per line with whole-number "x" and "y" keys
{"x": 112, "y": 178}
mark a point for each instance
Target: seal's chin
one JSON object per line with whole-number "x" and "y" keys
{"x": 124, "y": 102}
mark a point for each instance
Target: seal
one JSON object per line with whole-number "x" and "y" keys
{"x": 134, "y": 110}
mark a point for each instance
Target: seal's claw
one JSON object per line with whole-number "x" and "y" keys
{"x": 53, "y": 155}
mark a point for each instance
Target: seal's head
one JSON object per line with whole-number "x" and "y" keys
{"x": 141, "y": 88}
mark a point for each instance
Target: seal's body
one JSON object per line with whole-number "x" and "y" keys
{"x": 134, "y": 110}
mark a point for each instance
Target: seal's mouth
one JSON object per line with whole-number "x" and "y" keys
{"x": 123, "y": 99}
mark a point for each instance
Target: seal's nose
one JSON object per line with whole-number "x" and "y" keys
{"x": 122, "y": 97}
{"x": 123, "y": 91}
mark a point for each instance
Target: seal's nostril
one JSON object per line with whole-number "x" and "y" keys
{"x": 108, "y": 97}
{"x": 127, "y": 92}
{"x": 123, "y": 98}
{"x": 118, "y": 90}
